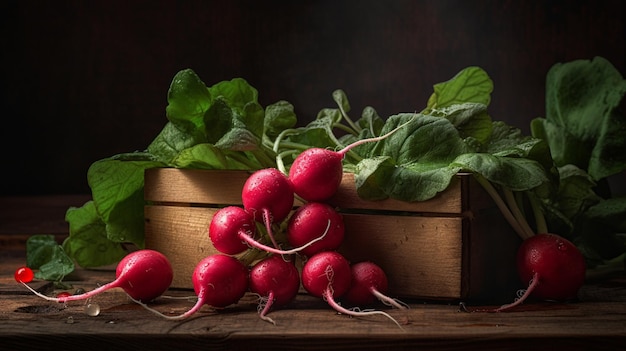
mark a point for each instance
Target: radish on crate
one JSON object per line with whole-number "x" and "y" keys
{"x": 316, "y": 173}
{"x": 311, "y": 219}
{"x": 143, "y": 274}
{"x": 328, "y": 275}
{"x": 268, "y": 195}
{"x": 218, "y": 281}
{"x": 276, "y": 281}
{"x": 369, "y": 283}
{"x": 232, "y": 229}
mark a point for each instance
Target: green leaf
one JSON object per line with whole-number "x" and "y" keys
{"x": 472, "y": 84}
{"x": 610, "y": 212}
{"x": 517, "y": 174}
{"x": 342, "y": 100}
{"x": 117, "y": 190}
{"x": 575, "y": 192}
{"x": 425, "y": 139}
{"x": 279, "y": 116}
{"x": 44, "y": 254}
{"x": 318, "y": 133}
{"x": 171, "y": 141}
{"x": 237, "y": 92}
{"x": 188, "y": 99}
{"x": 470, "y": 119}
{"x": 208, "y": 156}
{"x": 413, "y": 164}
{"x": 582, "y": 125}
{"x": 88, "y": 244}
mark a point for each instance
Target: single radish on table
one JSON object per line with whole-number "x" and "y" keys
{"x": 143, "y": 274}
{"x": 232, "y": 229}
{"x": 276, "y": 281}
{"x": 268, "y": 195}
{"x": 316, "y": 173}
{"x": 369, "y": 283}
{"x": 553, "y": 267}
{"x": 309, "y": 221}
{"x": 218, "y": 281}
{"x": 328, "y": 275}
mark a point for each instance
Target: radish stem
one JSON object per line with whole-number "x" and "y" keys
{"x": 501, "y": 205}
{"x": 517, "y": 213}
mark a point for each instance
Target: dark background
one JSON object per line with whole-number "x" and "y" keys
{"x": 84, "y": 80}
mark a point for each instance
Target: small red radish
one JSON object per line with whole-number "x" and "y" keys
{"x": 226, "y": 228}
{"x": 369, "y": 282}
{"x": 316, "y": 173}
{"x": 268, "y": 195}
{"x": 232, "y": 228}
{"x": 554, "y": 267}
{"x": 311, "y": 219}
{"x": 275, "y": 280}
{"x": 143, "y": 274}
{"x": 218, "y": 281}
{"x": 328, "y": 275}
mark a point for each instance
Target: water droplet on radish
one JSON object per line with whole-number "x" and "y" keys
{"x": 92, "y": 309}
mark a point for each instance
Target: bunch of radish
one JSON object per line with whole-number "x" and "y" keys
{"x": 314, "y": 231}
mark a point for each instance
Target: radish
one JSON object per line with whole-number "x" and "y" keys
{"x": 308, "y": 221}
{"x": 143, "y": 274}
{"x": 328, "y": 275}
{"x": 276, "y": 280}
{"x": 218, "y": 281}
{"x": 369, "y": 282}
{"x": 227, "y": 228}
{"x": 268, "y": 195}
{"x": 553, "y": 267}
{"x": 231, "y": 230}
{"x": 316, "y": 173}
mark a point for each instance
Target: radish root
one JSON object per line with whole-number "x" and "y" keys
{"x": 328, "y": 296}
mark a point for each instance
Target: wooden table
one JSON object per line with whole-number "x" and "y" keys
{"x": 597, "y": 321}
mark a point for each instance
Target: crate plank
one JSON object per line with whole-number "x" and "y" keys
{"x": 420, "y": 255}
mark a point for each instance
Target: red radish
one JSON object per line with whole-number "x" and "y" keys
{"x": 144, "y": 275}
{"x": 328, "y": 275}
{"x": 316, "y": 173}
{"x": 231, "y": 230}
{"x": 218, "y": 281}
{"x": 275, "y": 280}
{"x": 311, "y": 219}
{"x": 268, "y": 195}
{"x": 369, "y": 282}
{"x": 227, "y": 227}
{"x": 554, "y": 267}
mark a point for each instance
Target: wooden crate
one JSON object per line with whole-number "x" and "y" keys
{"x": 454, "y": 247}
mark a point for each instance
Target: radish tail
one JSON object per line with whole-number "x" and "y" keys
{"x": 89, "y": 294}
{"x": 533, "y": 283}
{"x": 328, "y": 296}
{"x": 248, "y": 239}
{"x": 185, "y": 315}
{"x": 389, "y": 301}
{"x": 265, "y": 306}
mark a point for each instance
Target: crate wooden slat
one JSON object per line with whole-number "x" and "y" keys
{"x": 455, "y": 246}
